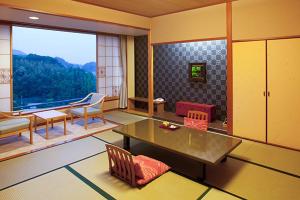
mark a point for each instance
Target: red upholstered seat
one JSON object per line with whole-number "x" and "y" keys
{"x": 147, "y": 169}
{"x": 182, "y": 108}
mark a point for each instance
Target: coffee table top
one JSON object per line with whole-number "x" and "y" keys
{"x": 50, "y": 114}
{"x": 206, "y": 147}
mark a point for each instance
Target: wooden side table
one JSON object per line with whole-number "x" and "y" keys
{"x": 50, "y": 116}
{"x": 159, "y": 104}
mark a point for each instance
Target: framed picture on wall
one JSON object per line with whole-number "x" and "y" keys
{"x": 197, "y": 72}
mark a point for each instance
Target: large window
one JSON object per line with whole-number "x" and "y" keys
{"x": 52, "y": 68}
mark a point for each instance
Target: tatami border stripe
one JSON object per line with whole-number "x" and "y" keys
{"x": 264, "y": 166}
{"x": 202, "y": 195}
{"x": 89, "y": 183}
{"x": 217, "y": 188}
{"x": 102, "y": 140}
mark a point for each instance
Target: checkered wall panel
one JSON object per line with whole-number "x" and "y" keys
{"x": 171, "y": 78}
{"x": 141, "y": 66}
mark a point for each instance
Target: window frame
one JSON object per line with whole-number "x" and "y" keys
{"x": 50, "y": 29}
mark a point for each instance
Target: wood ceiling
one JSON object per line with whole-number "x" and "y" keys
{"x": 20, "y": 17}
{"x": 152, "y": 8}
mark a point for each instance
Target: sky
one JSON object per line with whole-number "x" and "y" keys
{"x": 76, "y": 48}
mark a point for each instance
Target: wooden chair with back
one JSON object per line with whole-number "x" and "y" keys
{"x": 121, "y": 164}
{"x": 197, "y": 120}
{"x": 12, "y": 123}
{"x": 197, "y": 115}
{"x": 93, "y": 109}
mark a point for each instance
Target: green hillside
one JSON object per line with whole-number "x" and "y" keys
{"x": 41, "y": 79}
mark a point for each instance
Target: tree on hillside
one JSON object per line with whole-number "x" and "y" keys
{"x": 44, "y": 77}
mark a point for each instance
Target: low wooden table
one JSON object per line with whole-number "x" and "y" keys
{"x": 50, "y": 116}
{"x": 204, "y": 147}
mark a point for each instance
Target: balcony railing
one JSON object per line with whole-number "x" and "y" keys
{"x": 31, "y": 106}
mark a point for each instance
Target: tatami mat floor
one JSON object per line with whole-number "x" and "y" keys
{"x": 277, "y": 158}
{"x": 122, "y": 117}
{"x": 79, "y": 170}
{"x": 214, "y": 194}
{"x": 15, "y": 145}
{"x": 253, "y": 171}
{"x": 168, "y": 186}
{"x": 253, "y": 182}
{"x": 59, "y": 184}
{"x": 28, "y": 166}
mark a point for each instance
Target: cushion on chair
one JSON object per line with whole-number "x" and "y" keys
{"x": 11, "y": 125}
{"x": 95, "y": 98}
{"x": 147, "y": 169}
{"x": 80, "y": 111}
{"x": 196, "y": 124}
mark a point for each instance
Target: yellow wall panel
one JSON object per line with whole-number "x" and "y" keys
{"x": 76, "y": 9}
{"x": 249, "y": 85}
{"x": 130, "y": 66}
{"x": 284, "y": 87}
{"x": 253, "y": 19}
{"x": 207, "y": 22}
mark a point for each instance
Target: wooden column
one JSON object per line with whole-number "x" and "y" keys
{"x": 229, "y": 67}
{"x": 97, "y": 66}
{"x": 11, "y": 70}
{"x": 150, "y": 77}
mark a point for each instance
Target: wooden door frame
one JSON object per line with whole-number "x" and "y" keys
{"x": 229, "y": 81}
{"x": 150, "y": 76}
{"x": 229, "y": 91}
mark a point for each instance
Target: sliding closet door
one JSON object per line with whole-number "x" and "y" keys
{"x": 284, "y": 88}
{"x": 249, "y": 86}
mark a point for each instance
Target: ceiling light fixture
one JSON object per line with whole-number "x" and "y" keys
{"x": 34, "y": 18}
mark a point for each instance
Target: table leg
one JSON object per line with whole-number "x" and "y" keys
{"x": 47, "y": 134}
{"x": 52, "y": 123}
{"x": 126, "y": 142}
{"x": 224, "y": 159}
{"x": 65, "y": 126}
{"x": 203, "y": 172}
{"x": 203, "y": 175}
{"x": 35, "y": 123}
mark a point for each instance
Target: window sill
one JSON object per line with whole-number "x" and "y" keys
{"x": 52, "y": 108}
{"x": 66, "y": 106}
{"x": 111, "y": 98}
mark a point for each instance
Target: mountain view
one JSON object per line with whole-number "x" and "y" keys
{"x": 43, "y": 81}
{"x": 89, "y": 67}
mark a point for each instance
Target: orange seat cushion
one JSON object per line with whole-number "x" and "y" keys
{"x": 147, "y": 169}
{"x": 196, "y": 124}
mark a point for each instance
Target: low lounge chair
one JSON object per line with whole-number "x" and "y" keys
{"x": 12, "y": 124}
{"x": 134, "y": 170}
{"x": 93, "y": 109}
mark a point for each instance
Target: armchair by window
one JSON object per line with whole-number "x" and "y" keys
{"x": 12, "y": 123}
{"x": 93, "y": 109}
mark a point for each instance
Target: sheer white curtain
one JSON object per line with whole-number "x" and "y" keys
{"x": 123, "y": 88}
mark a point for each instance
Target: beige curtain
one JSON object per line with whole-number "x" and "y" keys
{"x": 123, "y": 89}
